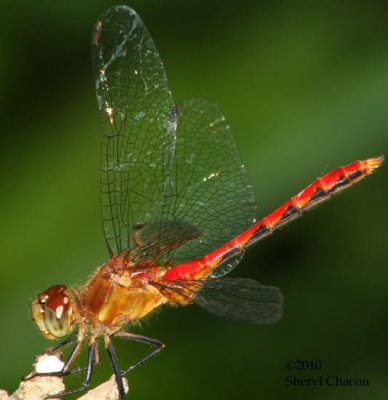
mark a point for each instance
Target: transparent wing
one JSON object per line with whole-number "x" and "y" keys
{"x": 162, "y": 165}
{"x": 232, "y": 298}
{"x": 211, "y": 188}
{"x": 241, "y": 299}
{"x": 138, "y": 129}
{"x": 150, "y": 241}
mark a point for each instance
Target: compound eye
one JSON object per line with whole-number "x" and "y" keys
{"x": 53, "y": 313}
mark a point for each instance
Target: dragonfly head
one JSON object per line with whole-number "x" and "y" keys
{"x": 53, "y": 313}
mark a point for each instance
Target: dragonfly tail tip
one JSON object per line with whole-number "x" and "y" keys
{"x": 374, "y": 163}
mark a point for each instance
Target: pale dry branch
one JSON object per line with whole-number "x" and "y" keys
{"x": 4, "y": 395}
{"x": 37, "y": 387}
{"x": 105, "y": 391}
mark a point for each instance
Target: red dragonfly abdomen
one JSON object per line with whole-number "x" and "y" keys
{"x": 320, "y": 190}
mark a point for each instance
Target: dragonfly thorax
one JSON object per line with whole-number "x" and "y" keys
{"x": 118, "y": 293}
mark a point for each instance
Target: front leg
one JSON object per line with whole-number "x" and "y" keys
{"x": 55, "y": 351}
{"x": 88, "y": 376}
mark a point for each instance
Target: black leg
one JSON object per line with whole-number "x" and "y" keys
{"x": 65, "y": 343}
{"x": 53, "y": 351}
{"x": 156, "y": 344}
{"x": 88, "y": 376}
{"x": 116, "y": 369}
{"x": 65, "y": 370}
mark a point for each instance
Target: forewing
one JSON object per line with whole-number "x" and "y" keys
{"x": 148, "y": 176}
{"x": 155, "y": 239}
{"x": 138, "y": 128}
{"x": 211, "y": 189}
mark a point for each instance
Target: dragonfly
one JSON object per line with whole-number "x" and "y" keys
{"x": 177, "y": 208}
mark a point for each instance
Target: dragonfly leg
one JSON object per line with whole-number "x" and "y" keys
{"x": 65, "y": 343}
{"x": 157, "y": 345}
{"x": 66, "y": 371}
{"x": 88, "y": 377}
{"x": 54, "y": 350}
{"x": 116, "y": 367}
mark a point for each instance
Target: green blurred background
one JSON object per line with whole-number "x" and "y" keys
{"x": 304, "y": 86}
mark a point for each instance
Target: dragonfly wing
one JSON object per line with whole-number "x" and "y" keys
{"x": 238, "y": 299}
{"x": 211, "y": 188}
{"x": 154, "y": 239}
{"x": 138, "y": 126}
{"x": 241, "y": 299}
{"x": 161, "y": 162}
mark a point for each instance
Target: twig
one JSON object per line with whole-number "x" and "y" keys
{"x": 38, "y": 387}
{"x": 106, "y": 391}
